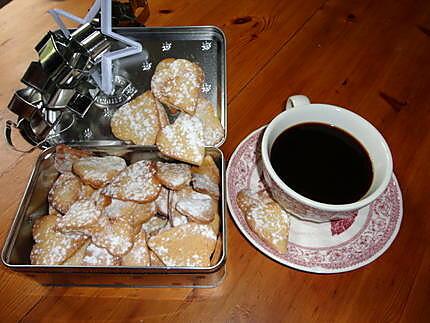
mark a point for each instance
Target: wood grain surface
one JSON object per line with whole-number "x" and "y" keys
{"x": 370, "y": 56}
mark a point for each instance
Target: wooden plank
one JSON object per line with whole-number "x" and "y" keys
{"x": 417, "y": 306}
{"x": 106, "y": 304}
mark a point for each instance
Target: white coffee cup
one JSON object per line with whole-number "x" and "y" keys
{"x": 300, "y": 110}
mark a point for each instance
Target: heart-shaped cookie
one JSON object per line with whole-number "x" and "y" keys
{"x": 177, "y": 84}
{"x": 182, "y": 140}
{"x": 196, "y": 206}
{"x": 265, "y": 217}
{"x": 139, "y": 254}
{"x": 65, "y": 156}
{"x": 135, "y": 183}
{"x": 173, "y": 175}
{"x": 189, "y": 245}
{"x": 96, "y": 256}
{"x": 138, "y": 120}
{"x": 206, "y": 178}
{"x": 65, "y": 191}
{"x": 98, "y": 171}
{"x": 52, "y": 247}
{"x": 213, "y": 132}
{"x": 82, "y": 216}
{"x": 116, "y": 236}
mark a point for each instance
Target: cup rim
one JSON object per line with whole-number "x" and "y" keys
{"x": 320, "y": 205}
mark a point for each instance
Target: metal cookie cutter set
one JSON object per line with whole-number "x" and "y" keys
{"x": 59, "y": 81}
{"x": 71, "y": 70}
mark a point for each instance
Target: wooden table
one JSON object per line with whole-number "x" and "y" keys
{"x": 370, "y": 56}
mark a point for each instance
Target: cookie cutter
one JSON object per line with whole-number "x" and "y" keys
{"x": 27, "y": 104}
{"x": 65, "y": 61}
{"x": 78, "y": 99}
{"x": 25, "y": 101}
{"x": 50, "y": 50}
{"x": 82, "y": 99}
{"x": 22, "y": 126}
{"x": 86, "y": 47}
{"x": 36, "y": 77}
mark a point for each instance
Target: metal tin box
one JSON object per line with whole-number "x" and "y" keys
{"x": 16, "y": 252}
{"x": 204, "y": 45}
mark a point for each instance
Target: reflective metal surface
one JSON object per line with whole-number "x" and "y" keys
{"x": 16, "y": 251}
{"x": 204, "y": 45}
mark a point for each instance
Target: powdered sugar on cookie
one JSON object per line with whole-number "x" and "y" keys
{"x": 82, "y": 214}
{"x": 95, "y": 256}
{"x": 186, "y": 245}
{"x": 98, "y": 171}
{"x": 139, "y": 254}
{"x": 265, "y": 217}
{"x": 183, "y": 140}
{"x": 213, "y": 130}
{"x": 173, "y": 176}
{"x": 197, "y": 206}
{"x": 66, "y": 156}
{"x": 116, "y": 236}
{"x": 138, "y": 120}
{"x": 203, "y": 183}
{"x": 136, "y": 183}
{"x": 177, "y": 83}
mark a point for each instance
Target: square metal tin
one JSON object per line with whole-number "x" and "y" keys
{"x": 16, "y": 251}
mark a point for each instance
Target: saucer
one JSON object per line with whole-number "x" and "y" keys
{"x": 330, "y": 247}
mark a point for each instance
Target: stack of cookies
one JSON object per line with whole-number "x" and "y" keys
{"x": 103, "y": 212}
{"x": 175, "y": 94}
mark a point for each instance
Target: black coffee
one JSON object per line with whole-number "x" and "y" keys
{"x": 323, "y": 163}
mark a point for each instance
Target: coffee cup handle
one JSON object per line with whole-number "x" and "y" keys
{"x": 295, "y": 101}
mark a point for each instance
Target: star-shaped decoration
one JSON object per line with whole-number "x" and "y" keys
{"x": 146, "y": 66}
{"x": 206, "y": 87}
{"x": 206, "y": 45}
{"x": 166, "y": 46}
{"x": 105, "y": 80}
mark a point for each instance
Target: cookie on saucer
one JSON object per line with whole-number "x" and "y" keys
{"x": 265, "y": 217}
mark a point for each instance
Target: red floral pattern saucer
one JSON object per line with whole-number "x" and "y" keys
{"x": 330, "y": 247}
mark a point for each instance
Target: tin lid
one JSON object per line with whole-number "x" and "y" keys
{"x": 204, "y": 45}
